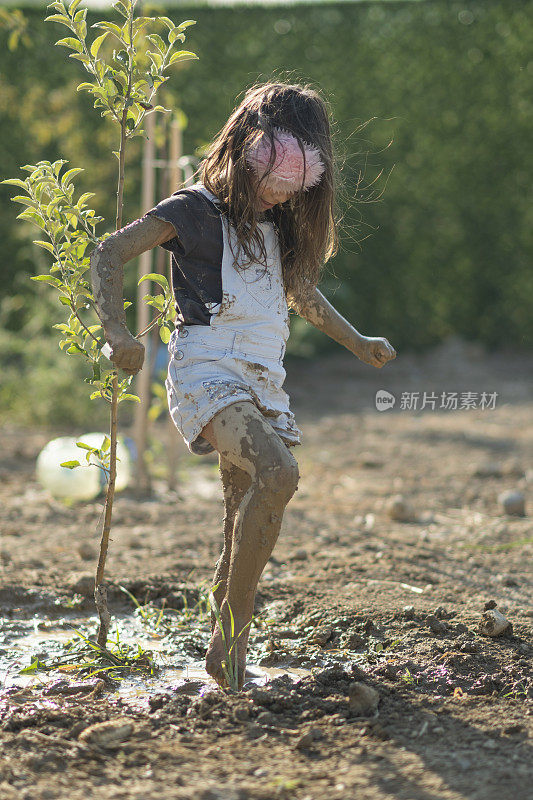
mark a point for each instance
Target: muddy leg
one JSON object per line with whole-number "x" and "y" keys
{"x": 235, "y": 484}
{"x": 241, "y": 435}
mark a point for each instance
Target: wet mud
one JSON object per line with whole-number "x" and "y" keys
{"x": 362, "y": 594}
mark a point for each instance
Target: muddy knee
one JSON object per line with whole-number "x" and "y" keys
{"x": 279, "y": 477}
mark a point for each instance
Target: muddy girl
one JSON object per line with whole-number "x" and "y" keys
{"x": 249, "y": 241}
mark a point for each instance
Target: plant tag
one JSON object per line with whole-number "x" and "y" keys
{"x": 106, "y": 351}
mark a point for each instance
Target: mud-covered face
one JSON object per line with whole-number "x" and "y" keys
{"x": 267, "y": 198}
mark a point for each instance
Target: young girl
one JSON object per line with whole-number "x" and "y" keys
{"x": 248, "y": 240}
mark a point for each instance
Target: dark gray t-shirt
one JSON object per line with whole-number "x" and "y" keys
{"x": 196, "y": 254}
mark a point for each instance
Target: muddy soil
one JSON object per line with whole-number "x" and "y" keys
{"x": 350, "y": 596}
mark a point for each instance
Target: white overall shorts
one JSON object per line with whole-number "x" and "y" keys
{"x": 239, "y": 356}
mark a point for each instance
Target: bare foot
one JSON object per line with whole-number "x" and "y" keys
{"x": 216, "y": 654}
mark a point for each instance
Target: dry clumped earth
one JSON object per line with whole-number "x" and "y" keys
{"x": 393, "y": 548}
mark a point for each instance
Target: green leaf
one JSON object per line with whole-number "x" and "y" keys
{"x": 16, "y": 182}
{"x": 70, "y": 464}
{"x": 45, "y": 245}
{"x": 156, "y": 277}
{"x": 174, "y": 35}
{"x": 73, "y": 6}
{"x": 95, "y": 47}
{"x": 75, "y": 44}
{"x": 61, "y": 18}
{"x": 87, "y": 86}
{"x": 47, "y": 279}
{"x": 182, "y": 55}
{"x": 70, "y": 174}
{"x": 155, "y": 58}
{"x": 116, "y": 30}
{"x": 158, "y": 42}
{"x": 166, "y": 21}
{"x": 80, "y": 57}
{"x": 131, "y": 397}
{"x": 84, "y": 446}
{"x": 186, "y": 24}
{"x": 164, "y": 333}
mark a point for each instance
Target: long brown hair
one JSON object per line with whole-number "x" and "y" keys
{"x": 306, "y": 223}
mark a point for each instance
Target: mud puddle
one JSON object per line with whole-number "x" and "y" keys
{"x": 40, "y": 654}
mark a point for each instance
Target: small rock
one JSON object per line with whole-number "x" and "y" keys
{"x": 487, "y": 469}
{"x": 493, "y": 623}
{"x": 321, "y": 636}
{"x": 254, "y": 731}
{"x": 135, "y": 543}
{"x": 397, "y": 508}
{"x": 300, "y": 555}
{"x": 370, "y": 461}
{"x": 86, "y": 551}
{"x": 82, "y": 583}
{"x": 489, "y": 604}
{"x": 108, "y": 734}
{"x": 363, "y": 699}
{"x": 408, "y": 612}
{"x": 304, "y": 741}
{"x": 370, "y": 521}
{"x": 435, "y": 624}
{"x": 353, "y": 641}
{"x": 266, "y": 718}
{"x": 513, "y": 503}
{"x": 512, "y": 729}
{"x": 241, "y": 714}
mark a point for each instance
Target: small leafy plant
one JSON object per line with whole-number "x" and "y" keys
{"x": 127, "y": 64}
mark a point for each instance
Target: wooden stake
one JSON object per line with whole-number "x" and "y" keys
{"x": 142, "y": 385}
{"x": 176, "y": 150}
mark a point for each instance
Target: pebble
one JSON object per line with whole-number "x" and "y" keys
{"x": 397, "y": 508}
{"x": 266, "y": 718}
{"x": 304, "y": 741}
{"x": 370, "y": 461}
{"x": 493, "y": 623}
{"x": 135, "y": 543}
{"x": 86, "y": 551}
{"x": 300, "y": 555}
{"x": 363, "y": 699}
{"x": 321, "y": 636}
{"x": 408, "y": 612}
{"x": 487, "y": 469}
{"x": 353, "y": 641}
{"x": 241, "y": 714}
{"x": 513, "y": 503}
{"x": 107, "y": 734}
{"x": 435, "y": 624}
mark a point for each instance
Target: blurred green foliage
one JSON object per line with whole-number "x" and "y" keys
{"x": 439, "y": 241}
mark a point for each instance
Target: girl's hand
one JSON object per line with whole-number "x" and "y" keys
{"x": 375, "y": 351}
{"x": 127, "y": 352}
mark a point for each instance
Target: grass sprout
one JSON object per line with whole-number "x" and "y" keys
{"x": 88, "y": 659}
{"x": 230, "y": 663}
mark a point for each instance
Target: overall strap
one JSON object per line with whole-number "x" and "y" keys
{"x": 199, "y": 187}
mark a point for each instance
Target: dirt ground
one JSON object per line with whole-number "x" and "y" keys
{"x": 350, "y": 596}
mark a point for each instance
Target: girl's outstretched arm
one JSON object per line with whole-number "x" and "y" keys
{"x": 107, "y": 267}
{"x": 372, "y": 350}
